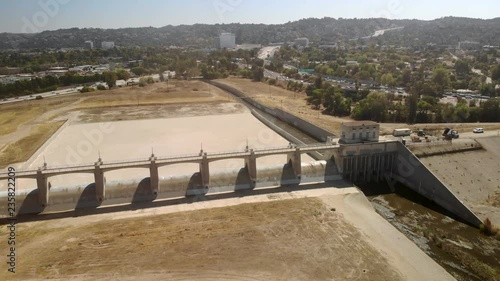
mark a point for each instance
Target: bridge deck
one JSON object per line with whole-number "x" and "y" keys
{"x": 163, "y": 161}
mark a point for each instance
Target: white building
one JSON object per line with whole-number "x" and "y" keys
{"x": 359, "y": 132}
{"x": 227, "y": 40}
{"x": 107, "y": 45}
{"x": 168, "y": 74}
{"x": 121, "y": 83}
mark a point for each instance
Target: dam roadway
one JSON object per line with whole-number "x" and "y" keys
{"x": 249, "y": 156}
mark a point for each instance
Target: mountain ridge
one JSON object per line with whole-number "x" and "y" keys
{"x": 445, "y": 31}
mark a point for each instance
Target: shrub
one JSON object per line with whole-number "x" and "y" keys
{"x": 487, "y": 228}
{"x": 87, "y": 89}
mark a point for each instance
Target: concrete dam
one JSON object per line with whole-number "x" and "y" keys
{"x": 360, "y": 163}
{"x": 358, "y": 157}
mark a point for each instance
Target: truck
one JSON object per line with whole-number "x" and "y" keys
{"x": 450, "y": 134}
{"x": 401, "y": 132}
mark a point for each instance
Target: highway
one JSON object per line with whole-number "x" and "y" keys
{"x": 275, "y": 75}
{"x": 44, "y": 95}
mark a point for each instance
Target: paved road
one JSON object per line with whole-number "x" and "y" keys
{"x": 275, "y": 75}
{"x": 471, "y": 135}
{"x": 267, "y": 52}
{"x": 44, "y": 95}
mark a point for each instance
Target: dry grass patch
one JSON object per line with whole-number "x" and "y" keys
{"x": 158, "y": 93}
{"x": 298, "y": 239}
{"x": 292, "y": 102}
{"x": 14, "y": 115}
{"x": 22, "y": 149}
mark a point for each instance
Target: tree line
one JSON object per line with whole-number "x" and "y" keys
{"x": 51, "y": 83}
{"x": 387, "y": 107}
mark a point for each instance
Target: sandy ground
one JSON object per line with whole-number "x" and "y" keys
{"x": 318, "y": 234}
{"x": 159, "y": 100}
{"x": 473, "y": 176}
{"x": 292, "y": 102}
{"x": 117, "y": 141}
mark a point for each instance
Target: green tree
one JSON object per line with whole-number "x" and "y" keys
{"x": 316, "y": 99}
{"x": 122, "y": 74}
{"x": 258, "y": 73}
{"x": 462, "y": 67}
{"x": 387, "y": 80}
{"x": 406, "y": 77}
{"x": 336, "y": 104}
{"x": 318, "y": 83}
{"x": 139, "y": 71}
{"x": 412, "y": 107}
{"x": 495, "y": 73}
{"x": 374, "y": 108}
{"x": 490, "y": 110}
{"x": 110, "y": 78}
{"x": 441, "y": 79}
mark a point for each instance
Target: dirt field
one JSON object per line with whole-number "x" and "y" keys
{"x": 20, "y": 123}
{"x": 292, "y": 102}
{"x": 277, "y": 239}
{"x": 22, "y": 149}
{"x": 473, "y": 176}
{"x": 296, "y": 104}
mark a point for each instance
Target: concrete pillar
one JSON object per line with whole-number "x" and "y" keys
{"x": 205, "y": 171}
{"x": 355, "y": 169}
{"x": 351, "y": 168}
{"x": 251, "y": 165}
{"x": 294, "y": 158}
{"x": 344, "y": 167}
{"x": 369, "y": 168}
{"x": 154, "y": 177}
{"x": 100, "y": 183}
{"x": 43, "y": 188}
{"x": 365, "y": 168}
{"x": 379, "y": 168}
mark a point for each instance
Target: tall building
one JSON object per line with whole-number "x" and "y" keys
{"x": 89, "y": 45}
{"x": 107, "y": 45}
{"x": 226, "y": 40}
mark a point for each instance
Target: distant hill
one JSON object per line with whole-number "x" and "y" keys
{"x": 445, "y": 31}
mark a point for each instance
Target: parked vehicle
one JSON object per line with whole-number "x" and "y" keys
{"x": 421, "y": 133}
{"x": 478, "y": 130}
{"x": 449, "y": 134}
{"x": 401, "y": 132}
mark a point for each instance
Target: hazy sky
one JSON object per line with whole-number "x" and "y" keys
{"x": 38, "y": 15}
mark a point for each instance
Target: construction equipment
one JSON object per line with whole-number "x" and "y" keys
{"x": 450, "y": 134}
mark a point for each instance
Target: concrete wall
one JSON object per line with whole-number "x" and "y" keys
{"x": 174, "y": 188}
{"x": 303, "y": 125}
{"x": 306, "y": 127}
{"x": 415, "y": 175}
{"x": 270, "y": 123}
{"x": 364, "y": 163}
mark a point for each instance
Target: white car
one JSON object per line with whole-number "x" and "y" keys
{"x": 478, "y": 130}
